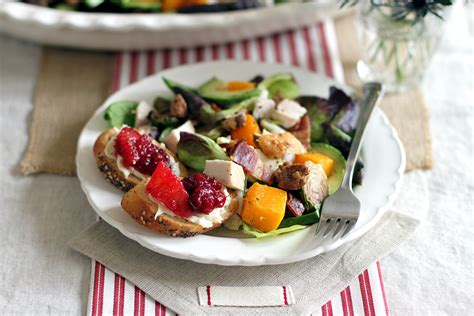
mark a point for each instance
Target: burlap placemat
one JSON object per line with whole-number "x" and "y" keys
{"x": 72, "y": 84}
{"x": 407, "y": 112}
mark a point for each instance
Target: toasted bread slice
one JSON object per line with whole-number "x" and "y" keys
{"x": 111, "y": 171}
{"x": 136, "y": 203}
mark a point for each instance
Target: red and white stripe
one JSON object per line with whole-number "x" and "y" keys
{"x": 314, "y": 48}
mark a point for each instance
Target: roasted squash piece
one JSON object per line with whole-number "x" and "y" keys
{"x": 264, "y": 207}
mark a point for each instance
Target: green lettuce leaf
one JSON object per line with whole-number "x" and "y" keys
{"x": 121, "y": 113}
{"x": 249, "y": 230}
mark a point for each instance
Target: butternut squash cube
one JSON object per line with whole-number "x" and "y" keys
{"x": 264, "y": 207}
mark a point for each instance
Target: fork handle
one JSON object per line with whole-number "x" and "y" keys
{"x": 373, "y": 93}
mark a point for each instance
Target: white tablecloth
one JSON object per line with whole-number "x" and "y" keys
{"x": 429, "y": 274}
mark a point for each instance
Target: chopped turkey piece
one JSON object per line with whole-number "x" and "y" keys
{"x": 228, "y": 172}
{"x": 288, "y": 113}
{"x": 263, "y": 109}
{"x": 171, "y": 141}
{"x": 280, "y": 145}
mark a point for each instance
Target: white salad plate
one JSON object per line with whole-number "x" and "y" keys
{"x": 384, "y": 160}
{"x": 119, "y": 31}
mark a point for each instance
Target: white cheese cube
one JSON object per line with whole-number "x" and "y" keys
{"x": 263, "y": 109}
{"x": 141, "y": 113}
{"x": 171, "y": 141}
{"x": 288, "y": 113}
{"x": 228, "y": 172}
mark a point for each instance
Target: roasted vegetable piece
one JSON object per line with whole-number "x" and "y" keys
{"x": 337, "y": 173}
{"x": 194, "y": 150}
{"x": 121, "y": 113}
{"x": 165, "y": 187}
{"x": 306, "y": 219}
{"x": 247, "y": 131}
{"x": 280, "y": 145}
{"x": 264, "y": 207}
{"x": 315, "y": 189}
{"x": 218, "y": 91}
{"x": 317, "y": 158}
{"x": 339, "y": 139}
{"x": 240, "y": 85}
{"x": 244, "y": 155}
{"x": 294, "y": 205}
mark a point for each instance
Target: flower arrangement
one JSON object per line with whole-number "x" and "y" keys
{"x": 407, "y": 9}
{"x": 398, "y": 39}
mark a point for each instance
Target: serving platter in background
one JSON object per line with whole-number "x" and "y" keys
{"x": 119, "y": 31}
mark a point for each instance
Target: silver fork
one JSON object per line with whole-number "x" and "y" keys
{"x": 341, "y": 210}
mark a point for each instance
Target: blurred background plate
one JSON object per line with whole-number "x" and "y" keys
{"x": 119, "y": 31}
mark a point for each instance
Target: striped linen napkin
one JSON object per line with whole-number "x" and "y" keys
{"x": 314, "y": 48}
{"x": 111, "y": 294}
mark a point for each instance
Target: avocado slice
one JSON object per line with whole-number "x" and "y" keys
{"x": 281, "y": 85}
{"x": 337, "y": 174}
{"x": 141, "y": 5}
{"x": 174, "y": 86}
{"x": 215, "y": 90}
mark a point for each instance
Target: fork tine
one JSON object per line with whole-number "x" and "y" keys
{"x": 349, "y": 228}
{"x": 321, "y": 228}
{"x": 341, "y": 229}
{"x": 330, "y": 227}
{"x": 340, "y": 224}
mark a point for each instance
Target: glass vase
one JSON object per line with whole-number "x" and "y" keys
{"x": 395, "y": 51}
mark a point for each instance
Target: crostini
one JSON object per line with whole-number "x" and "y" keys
{"x": 126, "y": 156}
{"x": 180, "y": 207}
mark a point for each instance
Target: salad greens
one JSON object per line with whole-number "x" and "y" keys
{"x": 291, "y": 148}
{"x": 121, "y": 113}
{"x": 195, "y": 149}
{"x": 249, "y": 230}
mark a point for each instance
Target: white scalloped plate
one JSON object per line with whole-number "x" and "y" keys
{"x": 152, "y": 30}
{"x": 383, "y": 154}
